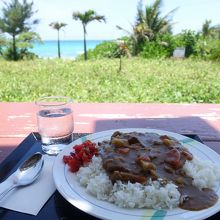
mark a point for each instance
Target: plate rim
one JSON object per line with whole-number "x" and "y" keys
{"x": 58, "y": 162}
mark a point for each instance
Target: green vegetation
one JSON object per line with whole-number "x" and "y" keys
{"x": 141, "y": 80}
{"x": 149, "y": 24}
{"x": 109, "y": 49}
{"x": 15, "y": 21}
{"x": 151, "y": 35}
{"x": 163, "y": 46}
{"x": 135, "y": 68}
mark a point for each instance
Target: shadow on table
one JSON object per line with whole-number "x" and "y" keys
{"x": 186, "y": 125}
{"x": 5, "y": 151}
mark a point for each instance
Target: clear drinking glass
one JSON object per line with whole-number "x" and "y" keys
{"x": 55, "y": 123}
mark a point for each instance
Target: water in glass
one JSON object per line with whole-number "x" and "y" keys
{"x": 55, "y": 126}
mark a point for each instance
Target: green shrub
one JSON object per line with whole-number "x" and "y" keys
{"x": 21, "y": 53}
{"x": 24, "y": 42}
{"x": 215, "y": 51}
{"x": 162, "y": 47}
{"x": 202, "y": 48}
{"x": 8, "y": 53}
{"x": 208, "y": 48}
{"x": 109, "y": 49}
{"x": 106, "y": 49}
{"x": 153, "y": 50}
{"x": 187, "y": 39}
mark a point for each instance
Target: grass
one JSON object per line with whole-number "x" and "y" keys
{"x": 141, "y": 80}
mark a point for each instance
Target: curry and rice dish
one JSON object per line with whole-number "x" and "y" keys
{"x": 136, "y": 170}
{"x": 138, "y": 157}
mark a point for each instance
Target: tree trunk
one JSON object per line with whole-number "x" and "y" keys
{"x": 58, "y": 43}
{"x": 120, "y": 64}
{"x": 85, "y": 50}
{"x": 14, "y": 48}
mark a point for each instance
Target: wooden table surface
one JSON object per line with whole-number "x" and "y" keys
{"x": 17, "y": 120}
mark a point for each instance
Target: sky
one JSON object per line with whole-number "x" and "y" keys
{"x": 190, "y": 14}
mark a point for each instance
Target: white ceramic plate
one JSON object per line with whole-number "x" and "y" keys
{"x": 71, "y": 190}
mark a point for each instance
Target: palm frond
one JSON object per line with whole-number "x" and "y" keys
{"x": 57, "y": 25}
{"x": 150, "y": 21}
{"x": 122, "y": 29}
{"x": 88, "y": 16}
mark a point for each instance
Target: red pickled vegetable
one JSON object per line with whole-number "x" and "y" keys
{"x": 82, "y": 155}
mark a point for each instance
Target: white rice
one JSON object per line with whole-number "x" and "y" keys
{"x": 151, "y": 196}
{"x": 203, "y": 172}
{"x": 136, "y": 195}
{"x": 98, "y": 184}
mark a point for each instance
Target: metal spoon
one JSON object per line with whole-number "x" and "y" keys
{"x": 27, "y": 173}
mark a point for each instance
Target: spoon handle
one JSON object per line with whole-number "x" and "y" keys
{"x": 4, "y": 193}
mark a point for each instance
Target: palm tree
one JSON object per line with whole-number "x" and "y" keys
{"x": 57, "y": 26}
{"x": 149, "y": 21}
{"x": 85, "y": 18}
{"x": 207, "y": 30}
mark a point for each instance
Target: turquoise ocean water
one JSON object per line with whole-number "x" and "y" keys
{"x": 69, "y": 48}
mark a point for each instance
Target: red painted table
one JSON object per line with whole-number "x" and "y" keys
{"x": 17, "y": 120}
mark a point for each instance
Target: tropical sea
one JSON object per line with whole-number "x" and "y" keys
{"x": 68, "y": 48}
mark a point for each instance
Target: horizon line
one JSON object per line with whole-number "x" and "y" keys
{"x": 75, "y": 39}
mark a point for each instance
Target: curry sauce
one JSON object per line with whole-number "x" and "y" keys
{"x": 139, "y": 157}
